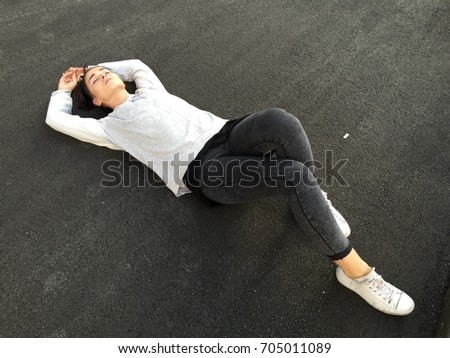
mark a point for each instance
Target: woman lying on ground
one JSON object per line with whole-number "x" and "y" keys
{"x": 261, "y": 155}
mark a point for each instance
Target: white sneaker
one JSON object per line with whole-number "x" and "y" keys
{"x": 343, "y": 224}
{"x": 378, "y": 293}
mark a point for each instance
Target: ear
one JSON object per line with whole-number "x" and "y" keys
{"x": 97, "y": 102}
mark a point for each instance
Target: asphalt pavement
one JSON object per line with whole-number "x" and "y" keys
{"x": 79, "y": 259}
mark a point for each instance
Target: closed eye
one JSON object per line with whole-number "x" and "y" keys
{"x": 96, "y": 75}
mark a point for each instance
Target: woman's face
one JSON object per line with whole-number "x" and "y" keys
{"x": 102, "y": 83}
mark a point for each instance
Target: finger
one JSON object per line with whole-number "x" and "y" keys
{"x": 79, "y": 72}
{"x": 67, "y": 77}
{"x": 70, "y": 69}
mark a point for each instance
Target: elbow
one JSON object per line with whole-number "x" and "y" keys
{"x": 49, "y": 120}
{"x": 137, "y": 64}
{"x": 52, "y": 122}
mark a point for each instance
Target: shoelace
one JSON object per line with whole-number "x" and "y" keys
{"x": 378, "y": 285}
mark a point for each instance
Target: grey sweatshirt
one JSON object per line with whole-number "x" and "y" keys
{"x": 159, "y": 129}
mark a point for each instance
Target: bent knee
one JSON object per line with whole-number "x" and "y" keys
{"x": 281, "y": 113}
{"x": 282, "y": 119}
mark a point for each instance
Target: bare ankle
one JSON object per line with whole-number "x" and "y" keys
{"x": 358, "y": 273}
{"x": 353, "y": 266}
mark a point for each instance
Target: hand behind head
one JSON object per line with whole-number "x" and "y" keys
{"x": 70, "y": 78}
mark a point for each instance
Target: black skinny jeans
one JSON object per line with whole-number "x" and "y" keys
{"x": 268, "y": 154}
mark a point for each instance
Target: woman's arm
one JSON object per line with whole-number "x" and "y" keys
{"x": 60, "y": 118}
{"x": 137, "y": 71}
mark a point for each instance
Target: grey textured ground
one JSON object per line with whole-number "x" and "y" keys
{"x": 81, "y": 260}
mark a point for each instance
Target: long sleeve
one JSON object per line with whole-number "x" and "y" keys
{"x": 89, "y": 130}
{"x": 135, "y": 71}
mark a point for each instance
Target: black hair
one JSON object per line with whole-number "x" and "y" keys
{"x": 81, "y": 95}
